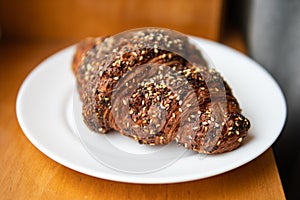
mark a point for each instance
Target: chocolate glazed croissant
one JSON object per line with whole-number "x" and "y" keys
{"x": 154, "y": 86}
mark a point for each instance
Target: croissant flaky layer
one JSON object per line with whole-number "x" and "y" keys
{"x": 154, "y": 86}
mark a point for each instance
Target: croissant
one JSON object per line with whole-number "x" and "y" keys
{"x": 154, "y": 86}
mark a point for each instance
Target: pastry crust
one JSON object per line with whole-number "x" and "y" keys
{"x": 155, "y": 87}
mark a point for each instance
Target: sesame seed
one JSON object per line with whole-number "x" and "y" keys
{"x": 219, "y": 142}
{"x": 240, "y": 139}
{"x": 179, "y": 109}
{"x": 124, "y": 102}
{"x": 101, "y": 129}
{"x": 167, "y": 106}
{"x": 237, "y": 132}
{"x": 188, "y": 105}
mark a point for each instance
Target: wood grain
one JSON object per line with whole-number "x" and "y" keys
{"x": 26, "y": 173}
{"x": 65, "y": 19}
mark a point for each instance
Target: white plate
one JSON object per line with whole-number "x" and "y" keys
{"x": 44, "y": 111}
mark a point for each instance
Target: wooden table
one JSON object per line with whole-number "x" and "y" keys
{"x": 26, "y": 173}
